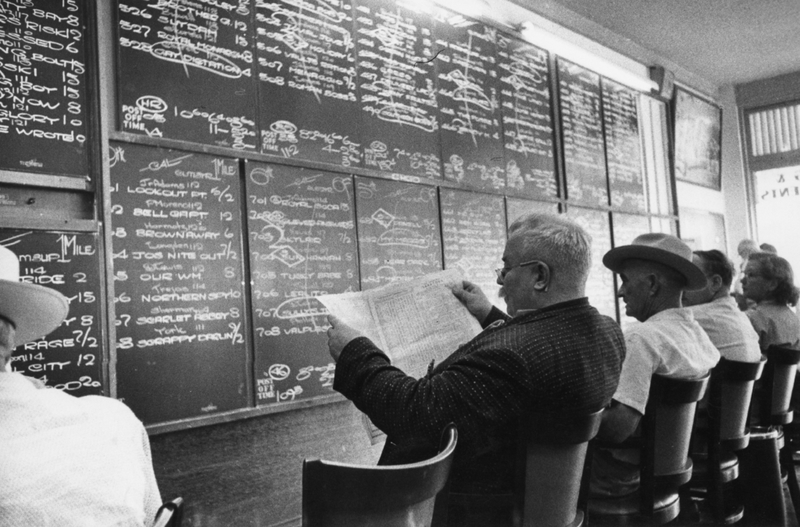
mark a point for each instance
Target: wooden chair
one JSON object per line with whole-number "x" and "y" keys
{"x": 724, "y": 433}
{"x": 170, "y": 514}
{"x": 345, "y": 495}
{"x": 553, "y": 451}
{"x": 664, "y": 462}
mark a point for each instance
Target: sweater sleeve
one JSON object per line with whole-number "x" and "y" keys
{"x": 480, "y": 389}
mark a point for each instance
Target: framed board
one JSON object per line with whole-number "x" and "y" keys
{"x": 698, "y": 139}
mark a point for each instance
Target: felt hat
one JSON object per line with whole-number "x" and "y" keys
{"x": 662, "y": 248}
{"x": 35, "y": 310}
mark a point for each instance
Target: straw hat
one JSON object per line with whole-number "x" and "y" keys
{"x": 34, "y": 310}
{"x": 662, "y": 248}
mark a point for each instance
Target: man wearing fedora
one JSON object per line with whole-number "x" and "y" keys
{"x": 64, "y": 460}
{"x": 655, "y": 269}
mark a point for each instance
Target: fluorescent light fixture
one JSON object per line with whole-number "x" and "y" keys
{"x": 587, "y": 59}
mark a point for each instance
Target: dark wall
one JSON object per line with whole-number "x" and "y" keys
{"x": 249, "y": 473}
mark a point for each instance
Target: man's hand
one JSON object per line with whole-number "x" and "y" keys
{"x": 473, "y": 299}
{"x": 339, "y": 335}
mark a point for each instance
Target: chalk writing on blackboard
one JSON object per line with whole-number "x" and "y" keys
{"x": 469, "y": 109}
{"x": 69, "y": 358}
{"x": 396, "y": 79}
{"x": 175, "y": 58}
{"x": 398, "y": 231}
{"x": 301, "y": 226}
{"x": 582, "y": 128}
{"x": 527, "y": 122}
{"x": 623, "y": 146}
{"x": 43, "y": 118}
{"x": 178, "y": 275}
{"x": 307, "y": 80}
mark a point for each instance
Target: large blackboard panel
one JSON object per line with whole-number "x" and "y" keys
{"x": 469, "y": 108}
{"x": 397, "y": 86}
{"x": 179, "y": 287}
{"x": 623, "y": 146}
{"x": 527, "y": 117}
{"x": 301, "y": 227}
{"x": 185, "y": 71}
{"x": 307, "y": 81}
{"x": 474, "y": 236}
{"x": 582, "y": 131}
{"x": 516, "y": 207}
{"x": 70, "y": 358}
{"x": 43, "y": 119}
{"x": 398, "y": 231}
{"x": 600, "y": 285}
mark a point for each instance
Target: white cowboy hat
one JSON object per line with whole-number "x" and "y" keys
{"x": 33, "y": 309}
{"x": 662, "y": 248}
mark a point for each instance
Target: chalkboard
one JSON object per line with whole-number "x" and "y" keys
{"x": 623, "y": 147}
{"x": 398, "y": 231}
{"x": 397, "y": 83}
{"x": 582, "y": 131}
{"x": 469, "y": 108}
{"x": 185, "y": 71}
{"x": 70, "y": 358}
{"x": 527, "y": 117}
{"x": 179, "y": 288}
{"x": 301, "y": 227}
{"x": 307, "y": 81}
{"x": 43, "y": 117}
{"x": 474, "y": 236}
{"x": 600, "y": 285}
{"x": 516, "y": 207}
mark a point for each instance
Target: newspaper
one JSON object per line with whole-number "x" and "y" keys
{"x": 417, "y": 323}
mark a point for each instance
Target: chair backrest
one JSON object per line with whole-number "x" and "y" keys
{"x": 730, "y": 392}
{"x": 346, "y": 495}
{"x": 170, "y": 514}
{"x": 554, "y": 450}
{"x": 666, "y": 433}
{"x": 778, "y": 382}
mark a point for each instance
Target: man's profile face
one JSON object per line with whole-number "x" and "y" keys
{"x": 635, "y": 289}
{"x": 517, "y": 284}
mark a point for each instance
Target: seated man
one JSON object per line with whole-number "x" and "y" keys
{"x": 654, "y": 269}
{"x": 65, "y": 461}
{"x": 717, "y": 312}
{"x": 554, "y": 353}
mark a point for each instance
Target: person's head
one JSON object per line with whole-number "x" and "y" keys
{"x": 769, "y": 277}
{"x": 747, "y": 247}
{"x": 27, "y": 311}
{"x": 719, "y": 272}
{"x": 546, "y": 261}
{"x": 768, "y": 248}
{"x": 654, "y": 270}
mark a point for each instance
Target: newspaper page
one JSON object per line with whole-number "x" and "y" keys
{"x": 416, "y": 323}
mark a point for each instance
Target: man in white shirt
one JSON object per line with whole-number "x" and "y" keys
{"x": 716, "y": 311}
{"x": 655, "y": 269}
{"x": 64, "y": 461}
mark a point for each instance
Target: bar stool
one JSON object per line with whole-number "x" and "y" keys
{"x": 724, "y": 433}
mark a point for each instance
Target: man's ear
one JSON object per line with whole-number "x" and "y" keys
{"x": 542, "y": 283}
{"x": 653, "y": 284}
{"x": 716, "y": 283}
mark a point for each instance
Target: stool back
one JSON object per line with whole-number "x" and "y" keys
{"x": 730, "y": 391}
{"x": 779, "y": 376}
{"x": 554, "y": 451}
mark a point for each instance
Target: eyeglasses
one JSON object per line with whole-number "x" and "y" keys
{"x": 503, "y": 271}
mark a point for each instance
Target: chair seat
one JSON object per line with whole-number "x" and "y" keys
{"x": 625, "y": 510}
{"x": 729, "y": 468}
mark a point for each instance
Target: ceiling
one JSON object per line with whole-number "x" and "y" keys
{"x": 723, "y": 41}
